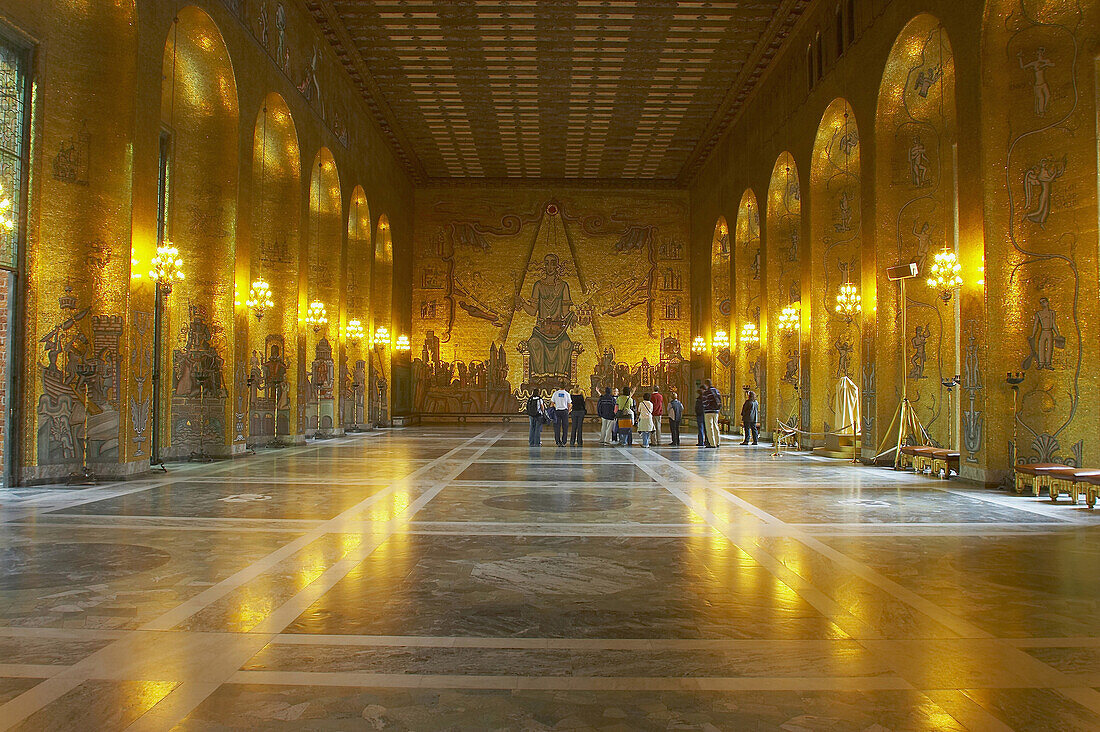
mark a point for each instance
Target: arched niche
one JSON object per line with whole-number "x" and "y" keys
{"x": 836, "y": 236}
{"x": 721, "y": 306}
{"x": 325, "y": 263}
{"x": 381, "y": 303}
{"x": 200, "y": 130}
{"x": 915, "y": 212}
{"x": 360, "y": 260}
{"x": 784, "y": 289}
{"x": 748, "y": 273}
{"x": 1039, "y": 157}
{"x": 276, "y": 226}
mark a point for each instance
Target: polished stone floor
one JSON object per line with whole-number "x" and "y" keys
{"x": 452, "y": 578}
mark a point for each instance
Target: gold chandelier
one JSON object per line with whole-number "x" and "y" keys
{"x": 317, "y": 316}
{"x": 354, "y": 331}
{"x": 790, "y": 319}
{"x": 699, "y": 345}
{"x": 750, "y": 335}
{"x": 945, "y": 275}
{"x": 167, "y": 267}
{"x": 847, "y": 301}
{"x": 259, "y": 298}
{"x": 7, "y": 221}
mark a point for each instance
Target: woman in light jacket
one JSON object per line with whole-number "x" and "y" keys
{"x": 645, "y": 418}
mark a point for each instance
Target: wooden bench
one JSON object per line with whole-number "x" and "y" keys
{"x": 1089, "y": 479}
{"x": 1034, "y": 476}
{"x": 946, "y": 460}
{"x": 1074, "y": 482}
{"x": 919, "y": 457}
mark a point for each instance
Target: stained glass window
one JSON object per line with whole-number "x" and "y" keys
{"x": 13, "y": 85}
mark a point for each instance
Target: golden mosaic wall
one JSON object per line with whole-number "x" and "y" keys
{"x": 721, "y": 307}
{"x": 835, "y": 252}
{"x": 783, "y": 265}
{"x": 915, "y": 220}
{"x": 748, "y": 306}
{"x": 118, "y": 74}
{"x": 524, "y": 289}
{"x": 1040, "y": 151}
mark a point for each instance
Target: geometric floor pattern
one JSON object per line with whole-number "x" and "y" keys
{"x": 449, "y": 577}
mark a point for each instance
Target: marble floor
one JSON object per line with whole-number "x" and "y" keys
{"x": 449, "y": 577}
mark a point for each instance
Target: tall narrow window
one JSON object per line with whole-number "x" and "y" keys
{"x": 164, "y": 181}
{"x": 851, "y": 21}
{"x": 14, "y": 124}
{"x": 811, "y": 75}
{"x": 820, "y": 56}
{"x": 839, "y": 31}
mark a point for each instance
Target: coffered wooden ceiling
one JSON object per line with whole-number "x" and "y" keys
{"x": 594, "y": 90}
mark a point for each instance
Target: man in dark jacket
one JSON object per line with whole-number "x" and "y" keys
{"x": 700, "y": 417}
{"x": 712, "y": 405}
{"x": 576, "y": 417}
{"x": 605, "y": 408}
{"x": 750, "y": 418}
{"x": 675, "y": 415}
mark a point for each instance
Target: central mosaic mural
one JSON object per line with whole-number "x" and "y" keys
{"x": 518, "y": 291}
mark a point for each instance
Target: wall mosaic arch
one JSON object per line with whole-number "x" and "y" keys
{"x": 1039, "y": 148}
{"x": 276, "y": 225}
{"x": 356, "y": 317}
{"x": 835, "y": 251}
{"x": 200, "y": 121}
{"x": 529, "y": 290}
{"x": 748, "y": 286}
{"x": 317, "y": 390}
{"x": 916, "y": 219}
{"x": 721, "y": 307}
{"x": 381, "y": 304}
{"x": 784, "y": 289}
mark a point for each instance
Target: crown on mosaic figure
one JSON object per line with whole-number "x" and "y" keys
{"x": 68, "y": 300}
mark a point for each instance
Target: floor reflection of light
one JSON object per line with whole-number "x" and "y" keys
{"x": 147, "y": 694}
{"x": 253, "y": 608}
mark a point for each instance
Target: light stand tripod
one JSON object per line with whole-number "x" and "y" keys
{"x": 201, "y": 375}
{"x": 906, "y": 414}
{"x": 950, "y": 385}
{"x": 276, "y": 389}
{"x": 85, "y": 477}
{"x": 249, "y": 382}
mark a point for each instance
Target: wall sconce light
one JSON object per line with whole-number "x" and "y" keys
{"x": 317, "y": 316}
{"x": 259, "y": 298}
{"x": 402, "y": 345}
{"x": 945, "y": 275}
{"x": 790, "y": 319}
{"x": 354, "y": 331}
{"x": 698, "y": 346}
{"x": 750, "y": 335}
{"x": 847, "y": 301}
{"x": 721, "y": 340}
{"x": 167, "y": 267}
{"x": 381, "y": 337}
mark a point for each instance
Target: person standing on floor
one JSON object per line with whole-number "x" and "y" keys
{"x": 712, "y": 405}
{"x": 605, "y": 408}
{"x": 625, "y": 414}
{"x": 658, "y": 400}
{"x": 615, "y": 425}
{"x": 750, "y": 418}
{"x": 536, "y": 414}
{"x": 562, "y": 401}
{"x": 576, "y": 416}
{"x": 645, "y": 418}
{"x": 700, "y": 417}
{"x": 675, "y": 415}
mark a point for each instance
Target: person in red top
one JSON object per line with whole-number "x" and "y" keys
{"x": 658, "y": 409}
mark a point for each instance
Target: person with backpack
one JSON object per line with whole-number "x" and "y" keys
{"x": 750, "y": 418}
{"x": 605, "y": 408}
{"x": 712, "y": 405}
{"x": 625, "y": 416}
{"x": 536, "y": 415}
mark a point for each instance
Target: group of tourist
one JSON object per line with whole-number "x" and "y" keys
{"x": 622, "y": 416}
